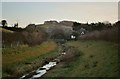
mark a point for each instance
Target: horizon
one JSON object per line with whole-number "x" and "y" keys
{"x": 38, "y": 12}
{"x": 61, "y": 21}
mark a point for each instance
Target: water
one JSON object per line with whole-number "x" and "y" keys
{"x": 39, "y": 72}
{"x": 42, "y": 70}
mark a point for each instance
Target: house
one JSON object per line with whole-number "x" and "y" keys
{"x": 82, "y": 31}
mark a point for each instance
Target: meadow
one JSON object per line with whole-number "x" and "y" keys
{"x": 23, "y": 59}
{"x": 98, "y": 59}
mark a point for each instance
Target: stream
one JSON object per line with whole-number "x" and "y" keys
{"x": 39, "y": 72}
{"x": 35, "y": 74}
{"x": 42, "y": 70}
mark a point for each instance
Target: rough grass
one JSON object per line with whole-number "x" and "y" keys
{"x": 13, "y": 55}
{"x": 15, "y": 58}
{"x": 5, "y": 30}
{"x": 99, "y": 59}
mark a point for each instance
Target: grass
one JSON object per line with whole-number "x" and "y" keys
{"x": 99, "y": 59}
{"x": 5, "y": 30}
{"x": 13, "y": 55}
{"x": 15, "y": 58}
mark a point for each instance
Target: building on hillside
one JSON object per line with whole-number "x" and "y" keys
{"x": 82, "y": 31}
{"x": 74, "y": 35}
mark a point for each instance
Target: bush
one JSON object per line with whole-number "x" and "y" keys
{"x": 71, "y": 54}
{"x": 12, "y": 39}
{"x": 34, "y": 38}
{"x": 58, "y": 33}
{"x": 106, "y": 34}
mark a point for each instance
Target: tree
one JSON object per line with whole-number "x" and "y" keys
{"x": 4, "y": 23}
{"x": 117, "y": 24}
{"x": 58, "y": 33}
{"x": 76, "y": 26}
{"x": 16, "y": 25}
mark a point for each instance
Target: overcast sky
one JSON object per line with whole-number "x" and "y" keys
{"x": 38, "y": 12}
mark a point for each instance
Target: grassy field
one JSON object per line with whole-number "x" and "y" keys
{"x": 4, "y": 30}
{"x": 14, "y": 59}
{"x": 99, "y": 59}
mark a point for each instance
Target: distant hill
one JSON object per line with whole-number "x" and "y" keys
{"x": 66, "y": 23}
{"x": 48, "y": 26}
{"x": 52, "y": 23}
{"x": 61, "y": 23}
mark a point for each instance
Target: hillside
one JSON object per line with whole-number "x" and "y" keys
{"x": 51, "y": 25}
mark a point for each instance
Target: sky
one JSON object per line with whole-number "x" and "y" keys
{"x": 37, "y": 12}
{"x": 59, "y": 0}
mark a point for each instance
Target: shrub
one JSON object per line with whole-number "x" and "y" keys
{"x": 58, "y": 33}
{"x": 71, "y": 54}
{"x": 110, "y": 34}
{"x": 12, "y": 39}
{"x": 34, "y": 38}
